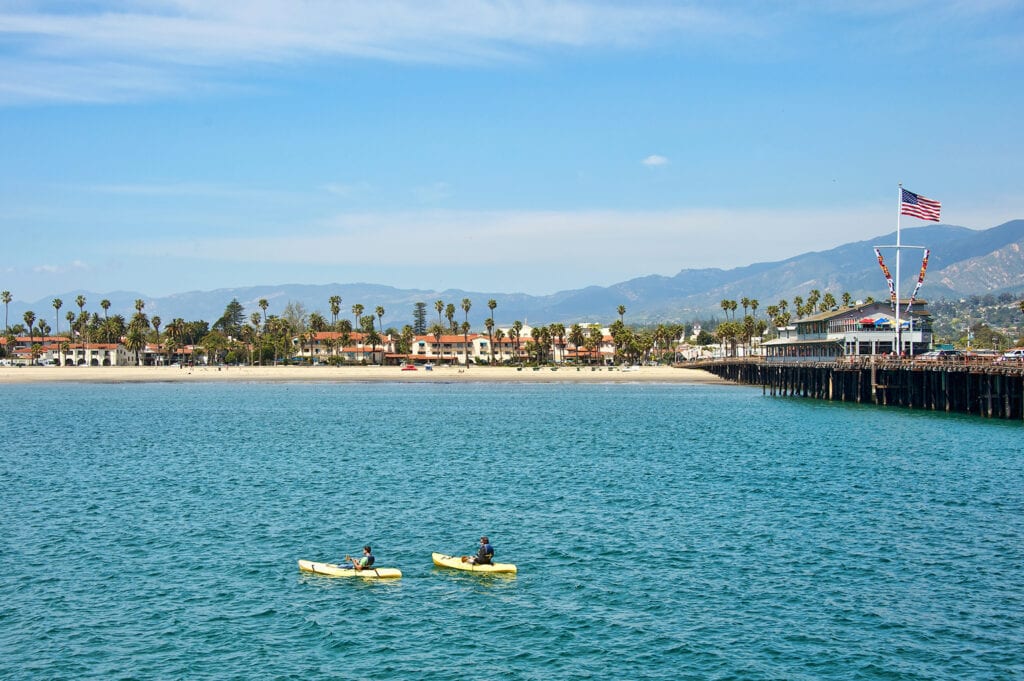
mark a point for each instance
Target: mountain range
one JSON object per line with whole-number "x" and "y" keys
{"x": 962, "y": 262}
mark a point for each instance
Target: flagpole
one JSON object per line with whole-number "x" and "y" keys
{"x": 899, "y": 329}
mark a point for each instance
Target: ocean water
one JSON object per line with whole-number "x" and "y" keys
{"x": 661, "y": 532}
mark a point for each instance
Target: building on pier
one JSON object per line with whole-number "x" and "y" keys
{"x": 859, "y": 330}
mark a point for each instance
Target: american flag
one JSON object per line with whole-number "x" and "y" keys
{"x": 919, "y": 206}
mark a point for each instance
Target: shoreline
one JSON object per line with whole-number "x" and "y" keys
{"x": 353, "y": 374}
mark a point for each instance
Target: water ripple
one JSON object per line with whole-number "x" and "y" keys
{"x": 661, "y": 532}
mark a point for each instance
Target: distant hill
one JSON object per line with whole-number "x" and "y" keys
{"x": 963, "y": 262}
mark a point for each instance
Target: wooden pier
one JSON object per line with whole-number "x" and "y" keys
{"x": 987, "y": 389}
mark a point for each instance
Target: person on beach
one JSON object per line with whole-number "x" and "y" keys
{"x": 484, "y": 555}
{"x": 362, "y": 563}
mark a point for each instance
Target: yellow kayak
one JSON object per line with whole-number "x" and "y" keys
{"x": 332, "y": 570}
{"x": 455, "y": 562}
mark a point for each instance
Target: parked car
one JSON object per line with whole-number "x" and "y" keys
{"x": 940, "y": 356}
{"x": 1014, "y": 355}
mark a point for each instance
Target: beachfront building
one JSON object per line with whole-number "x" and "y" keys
{"x": 350, "y": 347}
{"x": 508, "y": 347}
{"x": 60, "y": 351}
{"x": 860, "y": 330}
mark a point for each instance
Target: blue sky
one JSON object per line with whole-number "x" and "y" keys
{"x": 176, "y": 145}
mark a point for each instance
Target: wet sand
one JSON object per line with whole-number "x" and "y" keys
{"x": 445, "y": 374}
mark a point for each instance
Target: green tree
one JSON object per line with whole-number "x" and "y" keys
{"x": 135, "y": 341}
{"x": 464, "y": 327}
{"x": 449, "y": 314}
{"x": 5, "y": 297}
{"x": 105, "y": 304}
{"x": 335, "y": 303}
{"x": 231, "y": 322}
{"x": 622, "y": 312}
{"x": 489, "y": 325}
{"x": 156, "y": 330}
{"x": 419, "y": 319}
{"x": 57, "y": 303}
{"x": 499, "y": 335}
{"x": 516, "y": 334}
{"x": 83, "y": 324}
{"x": 357, "y": 312}
{"x": 263, "y": 305}
{"x": 594, "y": 339}
{"x": 557, "y": 334}
{"x": 491, "y": 304}
{"x": 436, "y": 330}
{"x": 439, "y": 306}
{"x": 577, "y": 338}
{"x": 30, "y": 320}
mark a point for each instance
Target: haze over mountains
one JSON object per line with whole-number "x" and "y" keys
{"x": 963, "y": 262}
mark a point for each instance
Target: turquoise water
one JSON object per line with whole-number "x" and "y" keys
{"x": 661, "y": 531}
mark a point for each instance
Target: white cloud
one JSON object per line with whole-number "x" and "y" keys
{"x": 346, "y": 191}
{"x": 74, "y": 265}
{"x": 655, "y": 160}
{"x": 143, "y": 49}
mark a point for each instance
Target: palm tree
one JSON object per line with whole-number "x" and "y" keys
{"x": 465, "y": 341}
{"x": 466, "y": 305}
{"x": 135, "y": 341}
{"x": 577, "y": 338}
{"x": 847, "y": 298}
{"x": 105, "y": 304}
{"x": 335, "y": 303}
{"x": 754, "y": 304}
{"x": 379, "y": 310}
{"x": 30, "y": 319}
{"x": 357, "y": 312}
{"x": 745, "y": 303}
{"x": 594, "y": 339}
{"x": 5, "y": 297}
{"x": 57, "y": 303}
{"x": 449, "y": 313}
{"x": 255, "y": 319}
{"x": 724, "y": 304}
{"x": 439, "y": 306}
{"x": 498, "y": 336}
{"x": 813, "y": 297}
{"x": 263, "y": 305}
{"x": 175, "y": 330}
{"x": 82, "y": 326}
{"x": 156, "y": 327}
{"x": 517, "y": 329}
{"x": 491, "y": 304}
{"x": 622, "y": 312}
{"x": 436, "y": 330}
{"x": 557, "y": 333}
{"x": 489, "y": 324}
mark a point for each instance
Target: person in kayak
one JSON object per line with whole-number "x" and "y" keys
{"x": 365, "y": 562}
{"x": 484, "y": 555}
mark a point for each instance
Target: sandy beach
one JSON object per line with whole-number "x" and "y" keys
{"x": 445, "y": 374}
